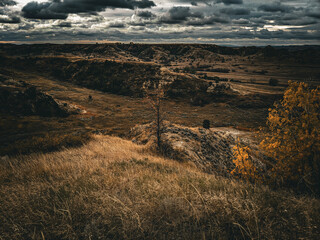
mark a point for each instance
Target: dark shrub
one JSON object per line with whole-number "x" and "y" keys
{"x": 206, "y": 124}
{"x": 262, "y": 72}
{"x": 191, "y": 69}
{"x": 273, "y": 82}
{"x": 221, "y": 70}
{"x": 200, "y": 100}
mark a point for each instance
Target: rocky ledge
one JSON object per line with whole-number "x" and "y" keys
{"x": 208, "y": 149}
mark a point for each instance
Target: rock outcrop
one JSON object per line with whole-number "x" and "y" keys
{"x": 18, "y": 97}
{"x": 208, "y": 149}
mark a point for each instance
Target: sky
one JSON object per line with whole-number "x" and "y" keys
{"x": 222, "y": 22}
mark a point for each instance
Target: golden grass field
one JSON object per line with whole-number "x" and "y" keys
{"x": 111, "y": 188}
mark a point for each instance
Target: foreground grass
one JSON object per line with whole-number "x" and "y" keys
{"x": 114, "y": 189}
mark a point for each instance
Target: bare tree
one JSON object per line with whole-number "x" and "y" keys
{"x": 154, "y": 96}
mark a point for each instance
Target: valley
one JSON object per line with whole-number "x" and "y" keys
{"x": 113, "y": 76}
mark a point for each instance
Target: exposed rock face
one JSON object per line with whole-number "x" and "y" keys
{"x": 218, "y": 88}
{"x": 209, "y": 149}
{"x": 18, "y": 97}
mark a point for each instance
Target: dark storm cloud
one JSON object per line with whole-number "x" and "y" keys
{"x": 137, "y": 24}
{"x": 65, "y": 25}
{"x": 145, "y": 14}
{"x": 8, "y": 16}
{"x": 4, "y": 3}
{"x": 254, "y": 21}
{"x": 241, "y": 21}
{"x": 207, "y": 21}
{"x": 35, "y": 10}
{"x": 193, "y": 2}
{"x": 179, "y": 14}
{"x": 182, "y": 13}
{"x": 228, "y": 2}
{"x": 314, "y": 14}
{"x": 10, "y": 20}
{"x": 58, "y": 9}
{"x": 235, "y": 11}
{"x": 143, "y": 4}
{"x": 297, "y": 22}
{"x": 275, "y": 7}
{"x": 210, "y": 3}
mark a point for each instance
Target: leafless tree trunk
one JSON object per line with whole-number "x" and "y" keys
{"x": 155, "y": 97}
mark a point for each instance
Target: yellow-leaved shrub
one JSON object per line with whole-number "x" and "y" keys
{"x": 291, "y": 141}
{"x": 244, "y": 165}
{"x": 293, "y": 138}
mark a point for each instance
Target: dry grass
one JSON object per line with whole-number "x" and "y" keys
{"x": 114, "y": 189}
{"x": 47, "y": 142}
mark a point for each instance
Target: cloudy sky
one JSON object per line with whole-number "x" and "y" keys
{"x": 224, "y": 22}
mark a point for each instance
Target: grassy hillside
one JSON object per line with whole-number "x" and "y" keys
{"x": 114, "y": 189}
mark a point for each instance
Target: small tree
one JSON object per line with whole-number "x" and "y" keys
{"x": 291, "y": 141}
{"x": 293, "y": 137}
{"x": 155, "y": 95}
